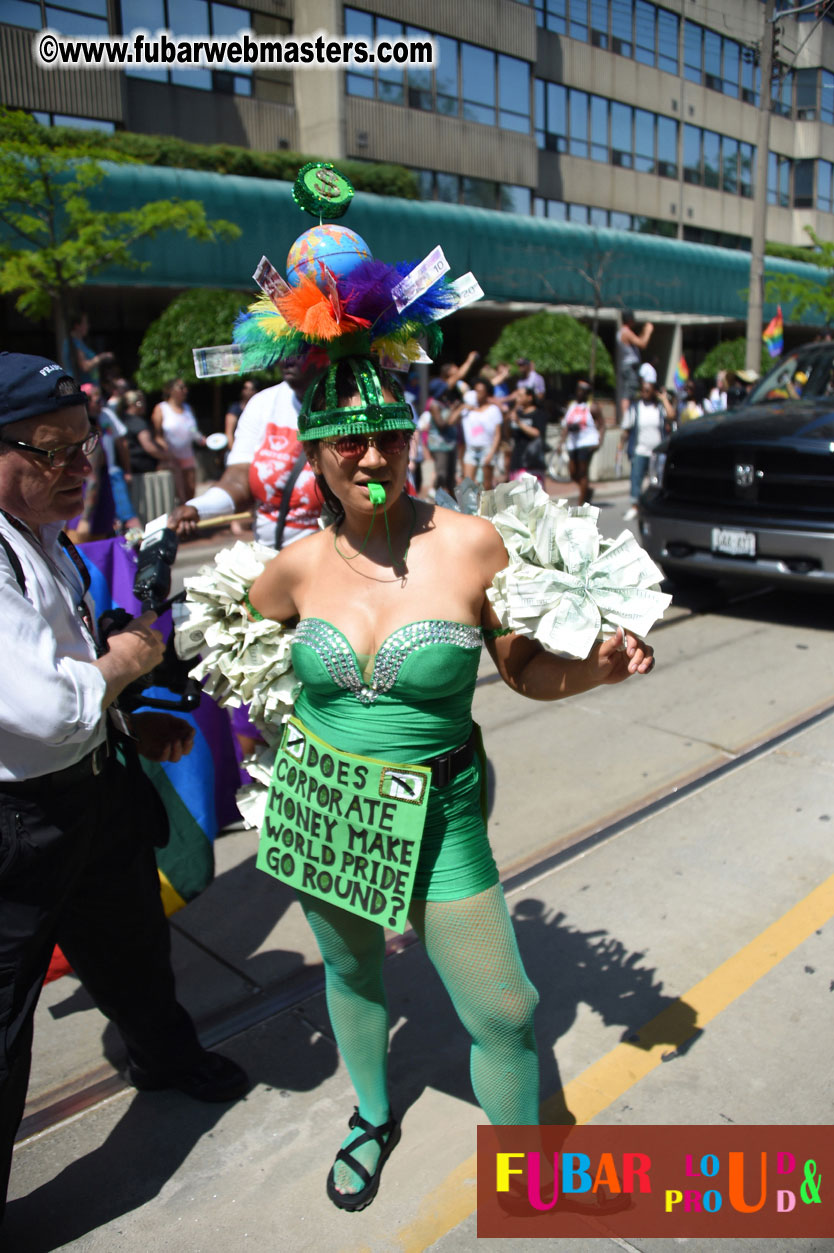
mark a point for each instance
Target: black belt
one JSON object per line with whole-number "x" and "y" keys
{"x": 86, "y": 768}
{"x": 449, "y": 765}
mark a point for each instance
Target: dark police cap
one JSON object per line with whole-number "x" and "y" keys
{"x": 30, "y": 386}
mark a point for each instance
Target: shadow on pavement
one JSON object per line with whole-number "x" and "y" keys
{"x": 568, "y": 966}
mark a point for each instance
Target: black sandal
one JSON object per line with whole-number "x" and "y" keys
{"x": 387, "y": 1136}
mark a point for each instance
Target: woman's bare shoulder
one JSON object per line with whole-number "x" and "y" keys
{"x": 476, "y": 536}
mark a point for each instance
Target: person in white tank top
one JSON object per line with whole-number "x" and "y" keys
{"x": 176, "y": 427}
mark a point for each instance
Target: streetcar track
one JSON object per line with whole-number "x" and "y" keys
{"x": 98, "y": 1087}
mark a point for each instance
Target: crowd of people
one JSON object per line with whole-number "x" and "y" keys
{"x": 134, "y": 441}
{"x": 487, "y": 423}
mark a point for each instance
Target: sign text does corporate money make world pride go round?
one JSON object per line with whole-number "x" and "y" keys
{"x": 344, "y": 828}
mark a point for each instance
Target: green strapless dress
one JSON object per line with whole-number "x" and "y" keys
{"x": 412, "y": 702}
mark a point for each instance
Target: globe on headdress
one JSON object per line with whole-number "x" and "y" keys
{"x": 330, "y": 244}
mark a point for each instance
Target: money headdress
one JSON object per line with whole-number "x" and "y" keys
{"x": 341, "y": 304}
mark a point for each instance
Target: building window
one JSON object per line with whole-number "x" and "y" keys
{"x": 729, "y": 165}
{"x": 466, "y": 80}
{"x": 622, "y": 21}
{"x": 622, "y": 144}
{"x": 599, "y": 129}
{"x": 718, "y": 239}
{"x": 607, "y": 131}
{"x": 478, "y": 84}
{"x": 746, "y": 169}
{"x": 668, "y": 26}
{"x": 552, "y": 15}
{"x": 578, "y": 142}
{"x": 778, "y": 180}
{"x": 482, "y": 193}
{"x": 578, "y": 26}
{"x": 751, "y": 77}
{"x": 644, "y": 141}
{"x": 825, "y": 186}
{"x": 782, "y": 92}
{"x": 719, "y": 63}
{"x": 692, "y": 155}
{"x": 631, "y": 28}
{"x": 693, "y": 42}
{"x": 196, "y": 17}
{"x": 803, "y": 185}
{"x": 80, "y": 123}
{"x": 418, "y": 80}
{"x": 78, "y": 17}
{"x": 513, "y": 94}
{"x": 712, "y": 160}
{"x": 599, "y": 23}
{"x": 551, "y": 116}
{"x": 806, "y": 95}
{"x": 827, "y": 97}
{"x": 667, "y": 147}
{"x": 645, "y": 39}
{"x": 602, "y": 219}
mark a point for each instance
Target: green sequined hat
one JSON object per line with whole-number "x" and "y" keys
{"x": 373, "y": 414}
{"x": 340, "y": 301}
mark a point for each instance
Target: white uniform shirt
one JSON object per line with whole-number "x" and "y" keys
{"x": 51, "y": 696}
{"x": 266, "y": 439}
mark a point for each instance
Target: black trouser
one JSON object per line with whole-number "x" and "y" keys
{"x": 77, "y": 868}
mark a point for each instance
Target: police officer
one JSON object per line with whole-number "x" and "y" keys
{"x": 78, "y": 818}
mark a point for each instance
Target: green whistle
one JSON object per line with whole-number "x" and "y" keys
{"x": 377, "y": 493}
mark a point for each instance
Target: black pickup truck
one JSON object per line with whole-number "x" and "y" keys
{"x": 749, "y": 493}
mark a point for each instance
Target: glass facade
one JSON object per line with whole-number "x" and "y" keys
{"x": 467, "y": 81}
{"x": 718, "y": 161}
{"x": 631, "y": 28}
{"x": 482, "y": 193}
{"x": 76, "y": 17}
{"x": 196, "y": 18}
{"x": 603, "y": 130}
{"x": 589, "y": 215}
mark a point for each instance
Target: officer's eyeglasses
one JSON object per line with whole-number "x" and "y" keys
{"x": 59, "y": 458}
{"x": 352, "y": 447}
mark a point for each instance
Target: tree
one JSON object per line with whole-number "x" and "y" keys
{"x": 52, "y": 239}
{"x": 556, "y": 342}
{"x": 804, "y": 294}
{"x": 730, "y": 355}
{"x": 195, "y": 319}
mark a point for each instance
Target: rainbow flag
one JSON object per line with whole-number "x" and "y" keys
{"x": 681, "y": 373}
{"x": 198, "y": 791}
{"x": 773, "y": 336}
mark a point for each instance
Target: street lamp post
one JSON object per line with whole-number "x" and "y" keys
{"x": 752, "y": 356}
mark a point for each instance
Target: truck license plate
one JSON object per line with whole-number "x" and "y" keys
{"x": 733, "y": 543}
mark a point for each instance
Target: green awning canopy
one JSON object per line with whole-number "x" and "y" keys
{"x": 515, "y": 258}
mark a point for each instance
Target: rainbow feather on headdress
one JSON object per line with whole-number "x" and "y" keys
{"x": 358, "y": 308}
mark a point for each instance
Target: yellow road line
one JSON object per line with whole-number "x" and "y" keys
{"x": 606, "y": 1080}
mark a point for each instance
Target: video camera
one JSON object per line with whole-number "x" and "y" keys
{"x": 151, "y": 587}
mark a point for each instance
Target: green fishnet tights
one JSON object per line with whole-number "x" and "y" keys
{"x": 472, "y": 946}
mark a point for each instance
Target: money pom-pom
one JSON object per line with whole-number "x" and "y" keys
{"x": 335, "y": 246}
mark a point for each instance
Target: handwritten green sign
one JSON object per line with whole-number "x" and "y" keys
{"x": 344, "y": 828}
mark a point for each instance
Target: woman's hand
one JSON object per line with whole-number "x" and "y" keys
{"x": 183, "y": 519}
{"x": 619, "y": 657}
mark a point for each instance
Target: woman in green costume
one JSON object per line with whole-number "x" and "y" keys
{"x": 392, "y": 612}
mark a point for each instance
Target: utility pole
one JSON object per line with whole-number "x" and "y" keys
{"x": 753, "y": 352}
